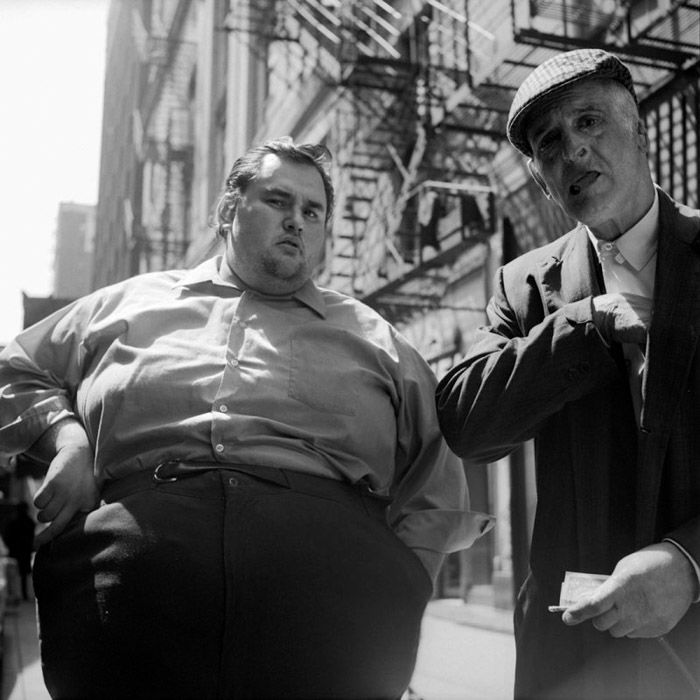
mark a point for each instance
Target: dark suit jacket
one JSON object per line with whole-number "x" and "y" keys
{"x": 604, "y": 486}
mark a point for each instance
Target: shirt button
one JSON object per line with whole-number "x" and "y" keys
{"x": 223, "y": 408}
{"x": 234, "y": 362}
{"x": 219, "y": 448}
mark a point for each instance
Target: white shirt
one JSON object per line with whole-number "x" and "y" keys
{"x": 629, "y": 267}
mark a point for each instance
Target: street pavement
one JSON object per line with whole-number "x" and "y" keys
{"x": 21, "y": 668}
{"x": 466, "y": 653}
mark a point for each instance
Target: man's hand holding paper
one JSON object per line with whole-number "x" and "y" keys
{"x": 647, "y": 594}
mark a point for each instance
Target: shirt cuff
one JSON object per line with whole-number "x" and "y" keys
{"x": 19, "y": 435}
{"x": 443, "y": 531}
{"x": 692, "y": 561}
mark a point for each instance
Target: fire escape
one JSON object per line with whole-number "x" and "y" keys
{"x": 163, "y": 139}
{"x": 419, "y": 96}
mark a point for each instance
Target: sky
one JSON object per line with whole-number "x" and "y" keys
{"x": 52, "y": 55}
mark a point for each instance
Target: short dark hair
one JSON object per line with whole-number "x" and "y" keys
{"x": 247, "y": 167}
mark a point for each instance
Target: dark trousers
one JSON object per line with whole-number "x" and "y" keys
{"x": 223, "y": 585}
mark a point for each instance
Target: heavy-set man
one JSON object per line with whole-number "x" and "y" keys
{"x": 274, "y": 494}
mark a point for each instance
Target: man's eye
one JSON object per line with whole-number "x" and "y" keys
{"x": 587, "y": 121}
{"x": 546, "y": 143}
{"x": 312, "y": 213}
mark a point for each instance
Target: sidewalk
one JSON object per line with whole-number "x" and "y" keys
{"x": 485, "y": 617}
{"x": 467, "y": 652}
{"x": 21, "y": 674}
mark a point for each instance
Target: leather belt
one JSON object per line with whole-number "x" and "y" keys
{"x": 175, "y": 471}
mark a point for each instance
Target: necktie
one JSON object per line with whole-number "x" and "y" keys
{"x": 611, "y": 261}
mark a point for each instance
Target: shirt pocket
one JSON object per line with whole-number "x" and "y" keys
{"x": 324, "y": 374}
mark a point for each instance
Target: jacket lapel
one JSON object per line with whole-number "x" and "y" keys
{"x": 570, "y": 277}
{"x": 671, "y": 348}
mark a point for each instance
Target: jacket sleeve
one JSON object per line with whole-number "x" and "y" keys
{"x": 524, "y": 366}
{"x": 688, "y": 537}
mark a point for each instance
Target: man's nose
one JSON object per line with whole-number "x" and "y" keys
{"x": 294, "y": 221}
{"x": 575, "y": 146}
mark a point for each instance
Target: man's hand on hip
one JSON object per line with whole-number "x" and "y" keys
{"x": 69, "y": 486}
{"x": 647, "y": 594}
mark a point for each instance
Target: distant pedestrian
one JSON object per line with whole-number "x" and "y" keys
{"x": 19, "y": 539}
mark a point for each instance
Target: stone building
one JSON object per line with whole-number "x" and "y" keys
{"x": 72, "y": 262}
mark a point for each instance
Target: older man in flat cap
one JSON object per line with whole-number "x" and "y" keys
{"x": 592, "y": 350}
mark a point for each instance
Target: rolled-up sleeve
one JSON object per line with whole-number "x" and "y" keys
{"x": 430, "y": 508}
{"x": 38, "y": 375}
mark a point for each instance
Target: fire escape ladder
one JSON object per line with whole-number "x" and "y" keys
{"x": 163, "y": 137}
{"x": 382, "y": 138}
{"x": 409, "y": 176}
{"x": 374, "y": 79}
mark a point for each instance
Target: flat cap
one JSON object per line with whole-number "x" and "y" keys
{"x": 558, "y": 72}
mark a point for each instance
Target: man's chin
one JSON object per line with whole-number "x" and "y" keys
{"x": 288, "y": 270}
{"x": 587, "y": 208}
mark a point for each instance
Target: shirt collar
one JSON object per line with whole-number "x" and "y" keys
{"x": 638, "y": 244}
{"x": 208, "y": 272}
{"x": 311, "y": 295}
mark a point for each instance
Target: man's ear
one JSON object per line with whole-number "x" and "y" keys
{"x": 538, "y": 178}
{"x": 643, "y": 136}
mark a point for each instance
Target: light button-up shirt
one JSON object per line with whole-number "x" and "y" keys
{"x": 629, "y": 267}
{"x": 186, "y": 365}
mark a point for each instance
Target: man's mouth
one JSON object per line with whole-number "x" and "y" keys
{"x": 588, "y": 178}
{"x": 290, "y": 243}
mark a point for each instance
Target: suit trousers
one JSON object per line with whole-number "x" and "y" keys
{"x": 226, "y": 585}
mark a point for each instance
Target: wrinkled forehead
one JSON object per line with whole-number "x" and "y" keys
{"x": 299, "y": 178}
{"x": 275, "y": 167}
{"x": 570, "y": 101}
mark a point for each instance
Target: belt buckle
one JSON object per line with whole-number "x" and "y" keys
{"x": 162, "y": 479}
